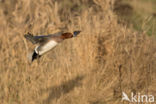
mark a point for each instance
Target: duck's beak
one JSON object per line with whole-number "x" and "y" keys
{"x": 75, "y": 33}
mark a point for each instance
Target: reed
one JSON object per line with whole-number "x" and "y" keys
{"x": 94, "y": 68}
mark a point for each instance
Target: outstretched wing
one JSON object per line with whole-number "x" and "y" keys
{"x": 40, "y": 38}
{"x": 31, "y": 38}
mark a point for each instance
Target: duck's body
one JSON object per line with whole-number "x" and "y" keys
{"x": 47, "y": 42}
{"x": 41, "y": 49}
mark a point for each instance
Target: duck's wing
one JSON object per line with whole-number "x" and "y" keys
{"x": 41, "y": 38}
{"x": 30, "y": 37}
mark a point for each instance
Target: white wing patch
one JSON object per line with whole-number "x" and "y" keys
{"x": 47, "y": 47}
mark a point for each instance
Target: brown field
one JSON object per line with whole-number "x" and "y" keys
{"x": 94, "y": 68}
{"x": 140, "y": 14}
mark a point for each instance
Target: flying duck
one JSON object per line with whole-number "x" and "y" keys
{"x": 45, "y": 43}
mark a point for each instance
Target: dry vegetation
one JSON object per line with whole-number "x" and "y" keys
{"x": 94, "y": 68}
{"x": 141, "y": 14}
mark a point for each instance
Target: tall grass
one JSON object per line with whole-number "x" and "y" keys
{"x": 138, "y": 14}
{"x": 94, "y": 68}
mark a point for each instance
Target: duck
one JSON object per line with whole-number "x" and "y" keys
{"x": 45, "y": 43}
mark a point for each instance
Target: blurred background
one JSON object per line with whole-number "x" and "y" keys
{"x": 139, "y": 14}
{"x": 115, "y": 51}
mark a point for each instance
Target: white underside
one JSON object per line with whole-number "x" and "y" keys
{"x": 47, "y": 47}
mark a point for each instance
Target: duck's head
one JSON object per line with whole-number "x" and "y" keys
{"x": 75, "y": 33}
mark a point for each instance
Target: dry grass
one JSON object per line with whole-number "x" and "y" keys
{"x": 94, "y": 68}
{"x": 139, "y": 14}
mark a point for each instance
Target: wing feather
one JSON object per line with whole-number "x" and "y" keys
{"x": 40, "y": 38}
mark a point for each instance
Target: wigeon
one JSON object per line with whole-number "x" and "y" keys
{"x": 47, "y": 42}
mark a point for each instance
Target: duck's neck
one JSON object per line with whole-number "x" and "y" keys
{"x": 66, "y": 35}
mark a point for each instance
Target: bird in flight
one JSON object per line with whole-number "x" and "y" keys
{"x": 45, "y": 43}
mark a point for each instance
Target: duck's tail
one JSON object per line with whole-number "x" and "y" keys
{"x": 32, "y": 56}
{"x": 75, "y": 33}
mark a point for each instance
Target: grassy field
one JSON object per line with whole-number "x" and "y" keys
{"x": 138, "y": 14}
{"x": 106, "y": 59}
